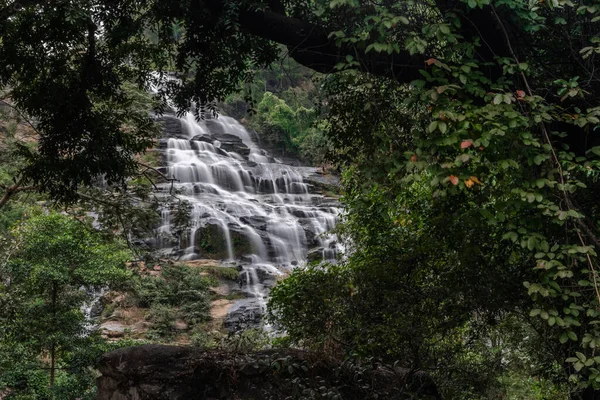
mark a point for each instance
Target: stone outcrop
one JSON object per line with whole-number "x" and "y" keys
{"x": 157, "y": 372}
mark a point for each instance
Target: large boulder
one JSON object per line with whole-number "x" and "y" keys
{"x": 211, "y": 240}
{"x": 158, "y": 372}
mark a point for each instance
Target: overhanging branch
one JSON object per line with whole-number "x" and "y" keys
{"x": 311, "y": 46}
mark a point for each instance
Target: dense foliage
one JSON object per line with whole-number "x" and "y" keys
{"x": 50, "y": 268}
{"x": 180, "y": 292}
{"x": 469, "y": 195}
{"x": 467, "y": 131}
{"x": 281, "y": 105}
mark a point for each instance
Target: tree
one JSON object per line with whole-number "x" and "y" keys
{"x": 48, "y": 273}
{"x": 69, "y": 75}
{"x": 498, "y": 137}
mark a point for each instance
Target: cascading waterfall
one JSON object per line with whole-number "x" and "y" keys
{"x": 245, "y": 204}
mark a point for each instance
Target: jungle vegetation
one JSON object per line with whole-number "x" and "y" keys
{"x": 466, "y": 132}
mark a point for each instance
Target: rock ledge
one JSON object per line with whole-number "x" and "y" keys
{"x": 178, "y": 373}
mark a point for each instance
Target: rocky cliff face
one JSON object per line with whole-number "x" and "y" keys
{"x": 182, "y": 373}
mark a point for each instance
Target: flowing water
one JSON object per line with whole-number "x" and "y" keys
{"x": 245, "y": 206}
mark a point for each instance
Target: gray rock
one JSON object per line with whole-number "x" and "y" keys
{"x": 159, "y": 372}
{"x": 172, "y": 127}
{"x": 257, "y": 222}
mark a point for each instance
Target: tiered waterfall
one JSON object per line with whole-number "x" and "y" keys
{"x": 247, "y": 207}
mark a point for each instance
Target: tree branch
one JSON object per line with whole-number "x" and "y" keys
{"x": 14, "y": 189}
{"x": 311, "y": 46}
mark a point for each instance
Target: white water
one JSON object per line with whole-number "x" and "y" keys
{"x": 235, "y": 186}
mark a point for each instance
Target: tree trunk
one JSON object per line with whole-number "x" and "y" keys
{"x": 53, "y": 345}
{"x": 52, "y": 370}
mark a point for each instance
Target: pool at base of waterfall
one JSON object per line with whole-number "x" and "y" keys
{"x": 237, "y": 203}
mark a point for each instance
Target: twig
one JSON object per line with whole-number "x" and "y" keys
{"x": 148, "y": 167}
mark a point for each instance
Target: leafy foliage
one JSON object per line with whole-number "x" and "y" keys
{"x": 48, "y": 269}
{"x": 463, "y": 186}
{"x": 179, "y": 292}
{"x": 283, "y": 107}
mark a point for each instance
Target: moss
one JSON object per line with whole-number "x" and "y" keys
{"x": 235, "y": 296}
{"x": 227, "y": 273}
{"x": 212, "y": 242}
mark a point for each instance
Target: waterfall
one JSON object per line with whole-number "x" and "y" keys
{"x": 246, "y": 205}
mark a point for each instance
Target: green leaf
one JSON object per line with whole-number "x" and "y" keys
{"x": 534, "y": 312}
{"x": 432, "y": 126}
{"x": 442, "y": 127}
{"x": 511, "y": 235}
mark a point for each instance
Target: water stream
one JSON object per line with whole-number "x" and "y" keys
{"x": 247, "y": 207}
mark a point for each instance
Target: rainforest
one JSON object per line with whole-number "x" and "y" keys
{"x": 299, "y": 199}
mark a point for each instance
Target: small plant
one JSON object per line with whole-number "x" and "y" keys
{"x": 201, "y": 338}
{"x": 247, "y": 340}
{"x": 163, "y": 320}
{"x": 180, "y": 292}
{"x": 108, "y": 310}
{"x": 227, "y": 273}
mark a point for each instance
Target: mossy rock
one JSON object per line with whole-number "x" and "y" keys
{"x": 212, "y": 242}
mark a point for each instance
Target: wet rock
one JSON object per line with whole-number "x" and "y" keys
{"x": 257, "y": 222}
{"x": 172, "y": 127}
{"x": 222, "y": 152}
{"x": 232, "y": 143}
{"x": 214, "y": 127}
{"x": 266, "y": 276}
{"x": 245, "y": 259}
{"x": 266, "y": 186}
{"x": 312, "y": 239}
{"x": 97, "y": 308}
{"x": 245, "y": 314}
{"x": 212, "y": 241}
{"x": 323, "y": 183}
{"x": 203, "y": 138}
{"x": 315, "y": 255}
